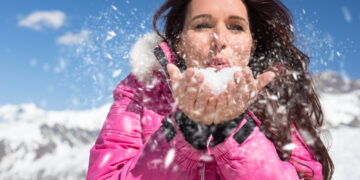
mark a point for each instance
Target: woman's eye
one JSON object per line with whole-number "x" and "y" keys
{"x": 235, "y": 27}
{"x": 202, "y": 26}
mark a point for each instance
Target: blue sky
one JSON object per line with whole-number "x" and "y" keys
{"x": 42, "y": 60}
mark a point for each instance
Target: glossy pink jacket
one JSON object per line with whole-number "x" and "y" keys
{"x": 132, "y": 145}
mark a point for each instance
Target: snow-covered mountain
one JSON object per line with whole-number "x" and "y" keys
{"x": 331, "y": 82}
{"x": 38, "y": 144}
{"x": 340, "y": 99}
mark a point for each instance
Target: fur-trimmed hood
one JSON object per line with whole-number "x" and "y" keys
{"x": 142, "y": 59}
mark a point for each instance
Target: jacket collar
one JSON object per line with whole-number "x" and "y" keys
{"x": 142, "y": 59}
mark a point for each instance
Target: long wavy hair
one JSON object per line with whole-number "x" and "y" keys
{"x": 291, "y": 96}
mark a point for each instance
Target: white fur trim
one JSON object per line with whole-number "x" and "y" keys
{"x": 142, "y": 59}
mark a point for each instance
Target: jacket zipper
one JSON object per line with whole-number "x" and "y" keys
{"x": 203, "y": 173}
{"x": 203, "y": 169}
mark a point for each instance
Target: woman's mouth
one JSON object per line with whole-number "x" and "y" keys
{"x": 218, "y": 63}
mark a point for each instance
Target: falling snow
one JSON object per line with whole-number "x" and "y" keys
{"x": 169, "y": 157}
{"x": 114, "y": 7}
{"x": 104, "y": 58}
{"x": 111, "y": 34}
{"x": 105, "y": 52}
{"x": 116, "y": 73}
{"x": 346, "y": 13}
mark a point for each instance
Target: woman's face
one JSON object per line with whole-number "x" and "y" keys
{"x": 216, "y": 34}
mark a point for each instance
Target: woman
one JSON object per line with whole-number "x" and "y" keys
{"x": 166, "y": 125}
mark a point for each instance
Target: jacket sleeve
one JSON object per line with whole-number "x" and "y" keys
{"x": 247, "y": 154}
{"x": 120, "y": 153}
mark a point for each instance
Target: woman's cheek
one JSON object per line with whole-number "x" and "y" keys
{"x": 244, "y": 57}
{"x": 243, "y": 50}
{"x": 199, "y": 40}
{"x": 198, "y": 47}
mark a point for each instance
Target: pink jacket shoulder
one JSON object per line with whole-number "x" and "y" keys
{"x": 120, "y": 137}
{"x": 302, "y": 157}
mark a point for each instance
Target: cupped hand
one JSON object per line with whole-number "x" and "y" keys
{"x": 200, "y": 105}
{"x": 240, "y": 94}
{"x": 197, "y": 103}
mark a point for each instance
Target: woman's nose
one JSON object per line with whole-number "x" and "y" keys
{"x": 218, "y": 40}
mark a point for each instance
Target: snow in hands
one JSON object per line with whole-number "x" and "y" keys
{"x": 236, "y": 90}
{"x": 218, "y": 80}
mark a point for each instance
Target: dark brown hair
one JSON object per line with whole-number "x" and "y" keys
{"x": 291, "y": 96}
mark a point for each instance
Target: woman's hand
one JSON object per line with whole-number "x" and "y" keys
{"x": 202, "y": 106}
{"x": 197, "y": 103}
{"x": 240, "y": 94}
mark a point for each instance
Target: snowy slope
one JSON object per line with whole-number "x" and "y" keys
{"x": 342, "y": 108}
{"x": 344, "y": 152}
{"x": 340, "y": 99}
{"x": 38, "y": 144}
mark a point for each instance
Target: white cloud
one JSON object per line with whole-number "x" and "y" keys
{"x": 346, "y": 14}
{"x": 41, "y": 19}
{"x": 73, "y": 39}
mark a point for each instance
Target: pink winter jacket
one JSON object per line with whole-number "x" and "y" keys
{"x": 141, "y": 140}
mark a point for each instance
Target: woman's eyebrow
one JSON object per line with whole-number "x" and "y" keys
{"x": 209, "y": 16}
{"x": 201, "y": 16}
{"x": 239, "y": 18}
